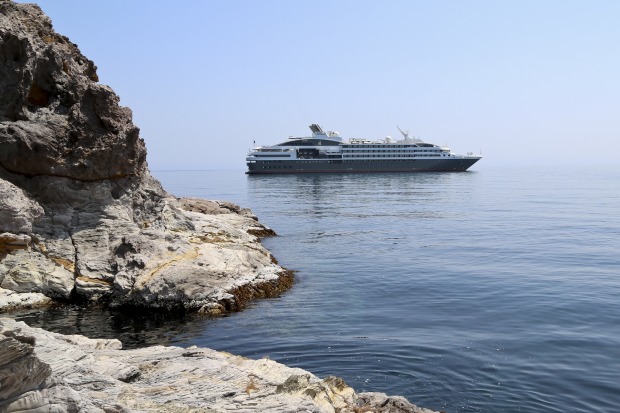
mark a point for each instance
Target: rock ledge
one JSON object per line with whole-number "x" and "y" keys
{"x": 60, "y": 373}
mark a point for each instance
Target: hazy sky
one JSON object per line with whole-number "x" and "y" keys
{"x": 524, "y": 82}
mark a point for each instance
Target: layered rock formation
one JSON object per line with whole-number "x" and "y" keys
{"x": 80, "y": 214}
{"x": 59, "y": 373}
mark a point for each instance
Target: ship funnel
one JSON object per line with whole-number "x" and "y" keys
{"x": 316, "y": 129}
{"x": 405, "y": 134}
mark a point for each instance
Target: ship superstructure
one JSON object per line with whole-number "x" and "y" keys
{"x": 327, "y": 152}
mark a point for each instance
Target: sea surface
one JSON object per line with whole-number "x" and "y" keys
{"x": 494, "y": 290}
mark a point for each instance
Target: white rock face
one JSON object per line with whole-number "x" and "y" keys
{"x": 10, "y": 300}
{"x": 101, "y": 250}
{"x": 96, "y": 376}
{"x": 17, "y": 210}
{"x": 29, "y": 271}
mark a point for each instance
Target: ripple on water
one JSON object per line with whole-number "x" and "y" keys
{"x": 474, "y": 292}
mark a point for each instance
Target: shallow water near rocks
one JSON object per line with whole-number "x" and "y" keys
{"x": 490, "y": 290}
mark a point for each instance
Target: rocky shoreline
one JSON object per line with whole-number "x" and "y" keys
{"x": 59, "y": 373}
{"x": 82, "y": 219}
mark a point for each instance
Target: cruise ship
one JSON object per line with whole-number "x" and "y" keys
{"x": 328, "y": 152}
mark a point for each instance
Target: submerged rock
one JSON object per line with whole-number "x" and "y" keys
{"x": 74, "y": 373}
{"x": 80, "y": 214}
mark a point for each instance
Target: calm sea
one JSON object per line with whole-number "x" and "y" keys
{"x": 494, "y": 290}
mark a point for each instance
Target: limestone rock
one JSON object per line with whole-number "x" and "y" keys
{"x": 95, "y": 375}
{"x": 80, "y": 213}
{"x": 12, "y": 242}
{"x": 17, "y": 210}
{"x": 55, "y": 119}
{"x": 20, "y": 370}
{"x": 10, "y": 300}
{"x": 28, "y": 271}
{"x": 213, "y": 207}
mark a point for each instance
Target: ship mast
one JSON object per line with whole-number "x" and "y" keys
{"x": 405, "y": 134}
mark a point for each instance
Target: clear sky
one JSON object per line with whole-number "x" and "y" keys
{"x": 523, "y": 82}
